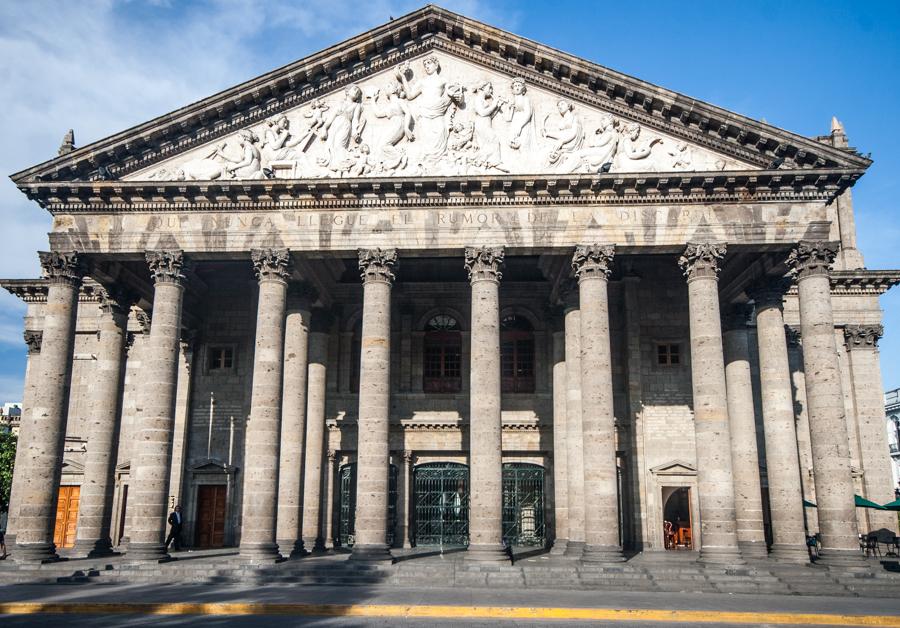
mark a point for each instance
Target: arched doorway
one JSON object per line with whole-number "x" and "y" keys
{"x": 523, "y": 504}
{"x": 347, "y": 510}
{"x": 441, "y": 504}
{"x": 677, "y": 518}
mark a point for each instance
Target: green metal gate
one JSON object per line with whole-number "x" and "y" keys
{"x": 347, "y": 520}
{"x": 441, "y": 512}
{"x": 523, "y": 504}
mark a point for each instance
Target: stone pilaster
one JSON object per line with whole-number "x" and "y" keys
{"x": 715, "y": 478}
{"x": 742, "y": 419}
{"x": 317, "y": 372}
{"x": 592, "y": 265}
{"x": 373, "y": 454}
{"x": 560, "y": 470}
{"x": 486, "y": 465}
{"x": 574, "y": 435}
{"x": 293, "y": 420}
{"x": 330, "y": 477}
{"x": 95, "y": 505}
{"x": 810, "y": 264}
{"x": 404, "y": 470}
{"x": 262, "y": 439}
{"x": 865, "y": 364}
{"x": 49, "y": 413}
{"x": 783, "y": 464}
{"x": 149, "y": 486}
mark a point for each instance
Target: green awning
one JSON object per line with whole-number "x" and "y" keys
{"x": 862, "y": 502}
{"x": 808, "y": 504}
{"x": 894, "y": 505}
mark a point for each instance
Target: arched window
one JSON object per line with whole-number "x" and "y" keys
{"x": 442, "y": 363}
{"x": 517, "y": 354}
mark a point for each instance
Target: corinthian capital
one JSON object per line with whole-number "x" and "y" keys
{"x": 593, "y": 261}
{"x": 484, "y": 263}
{"x": 115, "y": 300}
{"x": 166, "y": 265}
{"x": 808, "y": 258}
{"x": 377, "y": 265}
{"x": 862, "y": 336}
{"x": 702, "y": 260}
{"x": 271, "y": 264}
{"x": 62, "y": 268}
{"x": 33, "y": 340}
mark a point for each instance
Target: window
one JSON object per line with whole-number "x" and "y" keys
{"x": 221, "y": 358}
{"x": 517, "y": 355}
{"x": 668, "y": 354}
{"x": 442, "y": 359}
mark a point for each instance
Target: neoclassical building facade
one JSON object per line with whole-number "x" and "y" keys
{"x": 442, "y": 286}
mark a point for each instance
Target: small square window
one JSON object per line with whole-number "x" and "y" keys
{"x": 221, "y": 358}
{"x": 668, "y": 354}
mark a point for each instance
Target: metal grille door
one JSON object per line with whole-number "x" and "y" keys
{"x": 347, "y": 521}
{"x": 523, "y": 504}
{"x": 441, "y": 504}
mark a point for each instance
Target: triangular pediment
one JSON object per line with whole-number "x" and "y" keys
{"x": 674, "y": 467}
{"x": 297, "y": 122}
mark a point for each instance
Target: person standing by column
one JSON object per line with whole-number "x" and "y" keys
{"x": 176, "y": 524}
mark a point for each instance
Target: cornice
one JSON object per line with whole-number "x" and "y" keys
{"x": 413, "y": 34}
{"x": 860, "y": 282}
{"x": 413, "y": 192}
{"x": 35, "y": 290}
{"x": 440, "y": 426}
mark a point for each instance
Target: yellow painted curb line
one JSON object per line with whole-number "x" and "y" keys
{"x": 472, "y": 612}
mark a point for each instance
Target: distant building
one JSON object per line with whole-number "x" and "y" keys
{"x": 10, "y": 417}
{"x": 892, "y": 420}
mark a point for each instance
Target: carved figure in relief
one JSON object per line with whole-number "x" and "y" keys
{"x": 278, "y": 142}
{"x": 401, "y": 125}
{"x": 345, "y": 125}
{"x": 681, "y": 157}
{"x": 520, "y": 115}
{"x": 633, "y": 148}
{"x": 435, "y": 98}
{"x": 566, "y": 131}
{"x": 249, "y": 166}
{"x": 598, "y": 155}
{"x": 486, "y": 140}
{"x": 210, "y": 167}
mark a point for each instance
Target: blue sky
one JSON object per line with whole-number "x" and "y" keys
{"x": 102, "y": 66}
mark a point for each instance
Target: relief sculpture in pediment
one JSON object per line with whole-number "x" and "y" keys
{"x": 439, "y": 116}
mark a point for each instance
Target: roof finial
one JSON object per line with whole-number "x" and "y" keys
{"x": 836, "y": 126}
{"x": 68, "y": 143}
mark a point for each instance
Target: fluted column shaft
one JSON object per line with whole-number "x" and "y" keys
{"x": 485, "y": 438}
{"x": 49, "y": 414}
{"x": 783, "y": 463}
{"x": 715, "y": 478}
{"x": 811, "y": 265}
{"x": 745, "y": 458}
{"x": 373, "y": 424}
{"x": 149, "y": 487}
{"x": 592, "y": 265}
{"x": 95, "y": 505}
{"x": 263, "y": 436}
{"x": 560, "y": 470}
{"x": 574, "y": 434}
{"x": 293, "y": 421}
{"x": 315, "y": 433}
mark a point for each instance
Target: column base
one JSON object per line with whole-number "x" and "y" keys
{"x": 34, "y": 553}
{"x": 753, "y": 549}
{"x": 93, "y": 548}
{"x": 723, "y": 556}
{"x": 487, "y": 553}
{"x": 317, "y": 543}
{"x": 842, "y": 559}
{"x": 375, "y": 552}
{"x": 602, "y": 554}
{"x": 259, "y": 552}
{"x": 797, "y": 554}
{"x": 574, "y": 550}
{"x": 147, "y": 552}
{"x": 559, "y": 547}
{"x": 291, "y": 548}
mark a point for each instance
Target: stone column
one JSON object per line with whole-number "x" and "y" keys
{"x": 560, "y": 470}
{"x": 715, "y": 480}
{"x": 485, "y": 443}
{"x": 328, "y": 515}
{"x": 745, "y": 460}
{"x": 404, "y": 499}
{"x": 574, "y": 435}
{"x": 783, "y": 464}
{"x": 262, "y": 440}
{"x": 149, "y": 487}
{"x": 810, "y": 263}
{"x": 95, "y": 506}
{"x": 592, "y": 265}
{"x": 27, "y": 430}
{"x": 317, "y": 373}
{"x": 373, "y": 425}
{"x": 862, "y": 346}
{"x": 293, "y": 420}
{"x": 49, "y": 414}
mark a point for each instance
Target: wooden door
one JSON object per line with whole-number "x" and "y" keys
{"x": 66, "y": 516}
{"x": 210, "y": 516}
